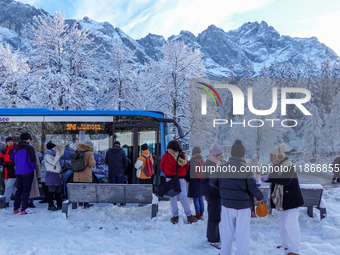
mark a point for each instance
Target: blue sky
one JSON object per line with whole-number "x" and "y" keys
{"x": 297, "y": 18}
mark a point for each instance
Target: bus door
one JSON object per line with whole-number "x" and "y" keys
{"x": 131, "y": 140}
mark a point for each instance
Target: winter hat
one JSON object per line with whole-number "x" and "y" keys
{"x": 279, "y": 152}
{"x": 50, "y": 146}
{"x": 46, "y": 143}
{"x": 25, "y": 136}
{"x": 116, "y": 142}
{"x": 238, "y": 149}
{"x": 144, "y": 147}
{"x": 89, "y": 142}
{"x": 215, "y": 150}
{"x": 9, "y": 139}
{"x": 196, "y": 150}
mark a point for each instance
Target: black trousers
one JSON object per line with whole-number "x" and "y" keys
{"x": 214, "y": 218}
{"x": 145, "y": 181}
{"x": 24, "y": 183}
{"x": 54, "y": 190}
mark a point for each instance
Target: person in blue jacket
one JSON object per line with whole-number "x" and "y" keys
{"x": 25, "y": 162}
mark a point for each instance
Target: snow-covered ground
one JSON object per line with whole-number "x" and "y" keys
{"x": 108, "y": 229}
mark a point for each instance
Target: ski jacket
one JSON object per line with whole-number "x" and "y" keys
{"x": 7, "y": 163}
{"x": 24, "y": 158}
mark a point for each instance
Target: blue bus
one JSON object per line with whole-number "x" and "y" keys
{"x": 69, "y": 128}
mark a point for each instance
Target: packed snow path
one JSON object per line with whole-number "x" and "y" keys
{"x": 108, "y": 229}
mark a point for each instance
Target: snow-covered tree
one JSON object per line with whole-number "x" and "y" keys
{"x": 173, "y": 73}
{"x": 120, "y": 72}
{"x": 63, "y": 62}
{"x": 264, "y": 71}
{"x": 272, "y": 71}
{"x": 326, "y": 91}
{"x": 312, "y": 130}
{"x": 331, "y": 130}
{"x": 15, "y": 88}
{"x": 258, "y": 139}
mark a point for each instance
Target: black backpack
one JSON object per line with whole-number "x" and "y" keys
{"x": 77, "y": 161}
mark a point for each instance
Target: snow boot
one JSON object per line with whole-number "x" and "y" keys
{"x": 191, "y": 219}
{"x": 202, "y": 218}
{"x": 31, "y": 205}
{"x": 174, "y": 220}
{"x": 198, "y": 215}
{"x": 52, "y": 208}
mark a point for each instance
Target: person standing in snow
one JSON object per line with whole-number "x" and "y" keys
{"x": 117, "y": 161}
{"x": 336, "y": 170}
{"x": 8, "y": 166}
{"x": 52, "y": 178}
{"x": 286, "y": 198}
{"x": 35, "y": 184}
{"x": 140, "y": 164}
{"x": 43, "y": 172}
{"x": 254, "y": 166}
{"x": 213, "y": 197}
{"x": 194, "y": 190}
{"x": 25, "y": 162}
{"x": 237, "y": 190}
{"x": 89, "y": 161}
{"x": 172, "y": 157}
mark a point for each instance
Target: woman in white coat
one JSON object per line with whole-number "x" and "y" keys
{"x": 52, "y": 178}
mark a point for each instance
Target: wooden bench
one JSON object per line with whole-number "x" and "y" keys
{"x": 110, "y": 193}
{"x": 311, "y": 193}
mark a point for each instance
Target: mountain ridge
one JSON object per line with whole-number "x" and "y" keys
{"x": 251, "y": 45}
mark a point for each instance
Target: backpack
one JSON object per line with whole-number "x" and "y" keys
{"x": 77, "y": 161}
{"x": 148, "y": 169}
{"x": 198, "y": 174}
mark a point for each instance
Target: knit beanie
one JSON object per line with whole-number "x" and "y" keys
{"x": 116, "y": 142}
{"x": 89, "y": 142}
{"x": 238, "y": 150}
{"x": 215, "y": 150}
{"x": 279, "y": 152}
{"x": 196, "y": 150}
{"x": 25, "y": 136}
{"x": 50, "y": 146}
{"x": 144, "y": 147}
{"x": 9, "y": 139}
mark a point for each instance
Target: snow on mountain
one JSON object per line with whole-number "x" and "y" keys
{"x": 251, "y": 45}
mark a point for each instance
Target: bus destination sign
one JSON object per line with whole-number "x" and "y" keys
{"x": 83, "y": 127}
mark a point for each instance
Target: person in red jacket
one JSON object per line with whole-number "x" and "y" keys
{"x": 9, "y": 172}
{"x": 168, "y": 167}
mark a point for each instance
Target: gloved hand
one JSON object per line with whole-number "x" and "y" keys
{"x": 4, "y": 164}
{"x": 39, "y": 178}
{"x": 264, "y": 178}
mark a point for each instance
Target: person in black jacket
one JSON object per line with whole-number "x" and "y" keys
{"x": 286, "y": 197}
{"x": 236, "y": 187}
{"x": 117, "y": 161}
{"x": 194, "y": 174}
{"x": 212, "y": 195}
